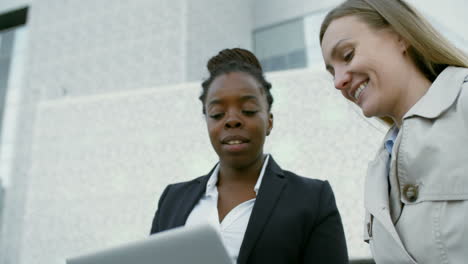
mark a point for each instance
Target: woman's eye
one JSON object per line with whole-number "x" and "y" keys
{"x": 348, "y": 56}
{"x": 249, "y": 112}
{"x": 217, "y": 116}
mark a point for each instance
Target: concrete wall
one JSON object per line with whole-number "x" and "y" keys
{"x": 448, "y": 19}
{"x": 213, "y": 25}
{"x": 90, "y": 47}
{"x": 101, "y": 162}
{"x": 452, "y": 13}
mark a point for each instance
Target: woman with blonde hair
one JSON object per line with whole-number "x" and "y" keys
{"x": 386, "y": 58}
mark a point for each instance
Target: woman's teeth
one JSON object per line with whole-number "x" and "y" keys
{"x": 359, "y": 90}
{"x": 234, "y": 142}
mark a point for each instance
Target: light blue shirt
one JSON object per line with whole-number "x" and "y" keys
{"x": 390, "y": 140}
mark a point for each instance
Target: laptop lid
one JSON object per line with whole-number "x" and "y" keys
{"x": 200, "y": 244}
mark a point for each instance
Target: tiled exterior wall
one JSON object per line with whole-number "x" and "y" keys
{"x": 91, "y": 47}
{"x": 101, "y": 162}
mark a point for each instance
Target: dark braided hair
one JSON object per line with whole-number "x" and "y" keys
{"x": 235, "y": 60}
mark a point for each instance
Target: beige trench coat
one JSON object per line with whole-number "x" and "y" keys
{"x": 424, "y": 219}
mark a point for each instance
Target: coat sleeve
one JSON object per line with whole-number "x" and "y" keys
{"x": 327, "y": 243}
{"x": 155, "y": 227}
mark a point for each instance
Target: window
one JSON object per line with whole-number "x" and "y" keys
{"x": 290, "y": 45}
{"x": 282, "y": 46}
{"x": 12, "y": 42}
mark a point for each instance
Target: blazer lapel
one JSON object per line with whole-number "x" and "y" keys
{"x": 190, "y": 199}
{"x": 270, "y": 190}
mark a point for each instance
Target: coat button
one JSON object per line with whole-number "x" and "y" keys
{"x": 410, "y": 192}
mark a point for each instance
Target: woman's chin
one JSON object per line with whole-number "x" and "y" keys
{"x": 367, "y": 113}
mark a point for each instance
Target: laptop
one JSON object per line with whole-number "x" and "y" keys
{"x": 199, "y": 244}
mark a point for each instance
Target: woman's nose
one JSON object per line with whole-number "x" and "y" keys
{"x": 342, "y": 80}
{"x": 233, "y": 121}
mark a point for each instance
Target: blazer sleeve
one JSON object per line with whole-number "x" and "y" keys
{"x": 327, "y": 243}
{"x": 155, "y": 227}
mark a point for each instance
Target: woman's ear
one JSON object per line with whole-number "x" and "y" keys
{"x": 270, "y": 124}
{"x": 403, "y": 44}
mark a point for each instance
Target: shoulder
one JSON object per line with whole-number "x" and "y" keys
{"x": 174, "y": 195}
{"x": 310, "y": 186}
{"x": 298, "y": 179}
{"x": 313, "y": 197}
{"x": 463, "y": 99}
{"x": 459, "y": 79}
{"x": 182, "y": 186}
{"x": 459, "y": 109}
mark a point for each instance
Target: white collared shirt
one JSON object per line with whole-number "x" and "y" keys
{"x": 234, "y": 224}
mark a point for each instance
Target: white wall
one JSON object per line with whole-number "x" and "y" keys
{"x": 451, "y": 13}
{"x": 449, "y": 17}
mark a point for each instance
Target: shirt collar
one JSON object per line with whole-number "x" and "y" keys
{"x": 390, "y": 139}
{"x": 441, "y": 95}
{"x": 213, "y": 180}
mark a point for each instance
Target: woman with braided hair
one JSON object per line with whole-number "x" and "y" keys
{"x": 265, "y": 214}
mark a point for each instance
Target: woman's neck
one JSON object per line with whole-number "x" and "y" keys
{"x": 418, "y": 85}
{"x": 247, "y": 174}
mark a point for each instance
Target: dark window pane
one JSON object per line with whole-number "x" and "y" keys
{"x": 297, "y": 59}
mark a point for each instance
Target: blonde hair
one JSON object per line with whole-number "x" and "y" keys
{"x": 429, "y": 50}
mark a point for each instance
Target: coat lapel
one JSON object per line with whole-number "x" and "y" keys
{"x": 270, "y": 190}
{"x": 376, "y": 198}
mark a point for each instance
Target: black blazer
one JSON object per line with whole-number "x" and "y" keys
{"x": 294, "y": 219}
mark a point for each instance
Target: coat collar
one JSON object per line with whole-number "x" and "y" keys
{"x": 273, "y": 184}
{"x": 441, "y": 95}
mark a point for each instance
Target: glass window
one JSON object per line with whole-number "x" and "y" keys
{"x": 6, "y": 47}
{"x": 282, "y": 46}
{"x": 290, "y": 45}
{"x": 12, "y": 55}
